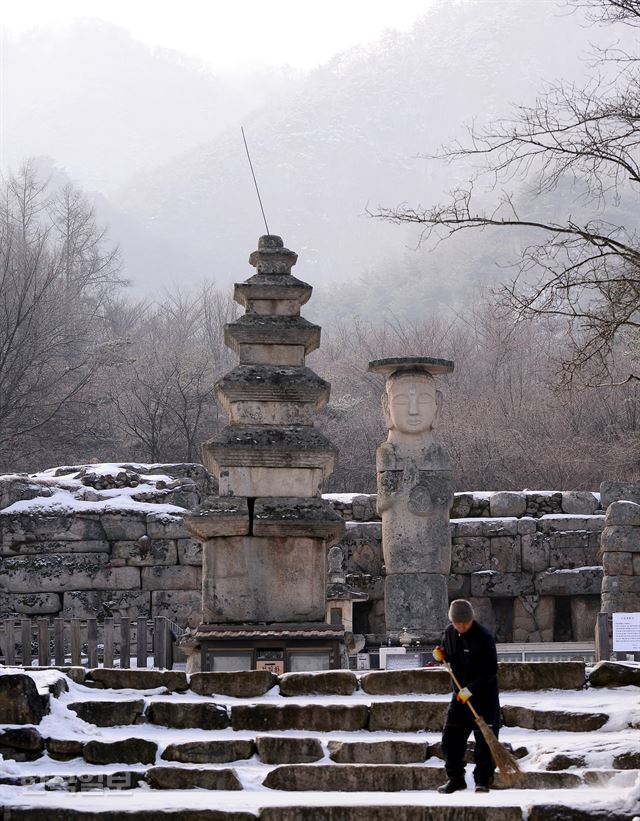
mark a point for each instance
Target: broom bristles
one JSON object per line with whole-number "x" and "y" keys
{"x": 506, "y": 764}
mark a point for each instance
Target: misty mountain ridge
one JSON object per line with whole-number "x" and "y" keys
{"x": 326, "y": 148}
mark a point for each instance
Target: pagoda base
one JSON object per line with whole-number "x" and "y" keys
{"x": 277, "y": 647}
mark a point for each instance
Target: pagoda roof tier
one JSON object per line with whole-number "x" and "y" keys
{"x": 273, "y": 383}
{"x": 294, "y": 516}
{"x": 218, "y": 516}
{"x": 255, "y": 329}
{"x": 272, "y": 257}
{"x": 272, "y": 286}
{"x": 294, "y": 446}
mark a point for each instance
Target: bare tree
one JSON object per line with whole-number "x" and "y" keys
{"x": 578, "y": 147}
{"x": 55, "y": 271}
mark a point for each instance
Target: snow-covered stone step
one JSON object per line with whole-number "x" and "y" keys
{"x": 390, "y": 778}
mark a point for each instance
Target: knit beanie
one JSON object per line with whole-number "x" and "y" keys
{"x": 460, "y": 611}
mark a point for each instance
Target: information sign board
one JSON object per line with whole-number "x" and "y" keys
{"x": 626, "y": 632}
{"x": 403, "y": 661}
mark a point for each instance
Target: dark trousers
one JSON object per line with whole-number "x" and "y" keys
{"x": 457, "y": 729}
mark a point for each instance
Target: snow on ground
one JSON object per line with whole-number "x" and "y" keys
{"x": 621, "y": 734}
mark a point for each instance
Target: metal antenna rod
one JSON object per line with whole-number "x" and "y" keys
{"x": 255, "y": 182}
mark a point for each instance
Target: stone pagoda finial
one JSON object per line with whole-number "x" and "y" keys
{"x": 272, "y": 257}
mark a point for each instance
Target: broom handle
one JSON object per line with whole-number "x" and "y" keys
{"x": 457, "y": 683}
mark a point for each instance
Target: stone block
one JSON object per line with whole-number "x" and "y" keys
{"x": 190, "y": 778}
{"x": 579, "y": 502}
{"x": 126, "y": 751}
{"x": 484, "y": 612}
{"x": 285, "y": 750}
{"x": 210, "y": 752}
{"x": 584, "y": 614}
{"x": 185, "y": 715}
{"x": 507, "y": 503}
{"x": 568, "y": 558}
{"x": 189, "y": 552}
{"x": 535, "y": 553}
{"x": 243, "y": 684}
{"x": 321, "y": 718}
{"x": 291, "y": 516}
{"x": 621, "y": 584}
{"x": 64, "y": 749}
{"x": 108, "y": 713}
{"x": 29, "y": 604}
{"x": 124, "y": 525}
{"x": 84, "y": 604}
{"x": 550, "y": 523}
{"x": 330, "y": 682}
{"x": 19, "y": 700}
{"x": 252, "y": 579}
{"x": 218, "y": 516}
{"x": 625, "y": 538}
{"x": 458, "y": 586}
{"x": 166, "y": 526}
{"x": 354, "y": 778}
{"x": 378, "y": 752}
{"x": 381, "y": 812}
{"x": 146, "y": 552}
{"x": 499, "y": 527}
{"x": 178, "y": 577}
{"x": 407, "y": 716}
{"x": 417, "y": 601}
{"x": 527, "y": 526}
{"x": 462, "y": 504}
{"x": 401, "y": 682}
{"x": 582, "y": 581}
{"x": 614, "y": 674}
{"x": 365, "y": 507}
{"x": 618, "y": 564}
{"x": 285, "y": 355}
{"x": 39, "y": 547}
{"x": 21, "y": 743}
{"x": 469, "y": 554}
{"x": 414, "y": 544}
{"x": 558, "y": 720}
{"x": 504, "y": 554}
{"x": 469, "y": 528}
{"x": 541, "y": 675}
{"x": 184, "y": 607}
{"x": 626, "y": 514}
{"x": 636, "y": 564}
{"x": 66, "y": 571}
{"x": 113, "y": 678}
{"x": 619, "y": 491}
{"x": 493, "y": 583}
{"x": 69, "y": 527}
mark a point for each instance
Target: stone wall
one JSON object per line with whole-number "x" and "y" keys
{"x": 102, "y": 541}
{"x": 528, "y": 561}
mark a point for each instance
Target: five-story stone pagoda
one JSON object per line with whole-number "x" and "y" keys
{"x": 265, "y": 536}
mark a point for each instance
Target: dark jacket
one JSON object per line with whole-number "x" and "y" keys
{"x": 473, "y": 659}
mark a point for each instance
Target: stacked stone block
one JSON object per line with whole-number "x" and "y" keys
{"x": 621, "y": 548}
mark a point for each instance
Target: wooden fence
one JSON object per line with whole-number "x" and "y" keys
{"x": 88, "y": 642}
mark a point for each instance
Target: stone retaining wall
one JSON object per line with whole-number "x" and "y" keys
{"x": 76, "y": 544}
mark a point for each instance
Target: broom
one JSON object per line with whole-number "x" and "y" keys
{"x": 506, "y": 764}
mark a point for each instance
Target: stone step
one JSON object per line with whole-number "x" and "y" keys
{"x": 108, "y": 713}
{"x": 189, "y": 778}
{"x": 391, "y": 778}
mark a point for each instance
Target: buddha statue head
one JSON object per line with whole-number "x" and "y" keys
{"x": 410, "y": 403}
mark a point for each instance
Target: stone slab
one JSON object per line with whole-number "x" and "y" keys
{"x": 125, "y": 751}
{"x": 146, "y": 552}
{"x": 577, "y": 582}
{"x": 40, "y": 547}
{"x": 417, "y": 601}
{"x": 401, "y": 682}
{"x": 541, "y": 675}
{"x": 183, "y": 778}
{"x": 613, "y": 674}
{"x": 624, "y": 538}
{"x": 404, "y": 812}
{"x": 66, "y": 814}
{"x": 124, "y": 525}
{"x": 166, "y": 526}
{"x": 210, "y": 752}
{"x": 285, "y": 750}
{"x": 84, "y": 604}
{"x": 619, "y": 491}
{"x": 469, "y": 554}
{"x": 108, "y": 713}
{"x": 243, "y": 684}
{"x": 494, "y": 583}
{"x": 189, "y": 552}
{"x": 20, "y": 702}
{"x": 295, "y": 516}
{"x": 407, "y": 716}
{"x": 623, "y": 513}
{"x": 186, "y": 715}
{"x": 558, "y": 720}
{"x": 255, "y": 579}
{"x": 331, "y": 682}
{"x": 66, "y": 571}
{"x": 378, "y": 752}
{"x": 507, "y": 503}
{"x": 29, "y": 604}
{"x": 116, "y": 679}
{"x": 178, "y": 577}
{"x": 219, "y": 516}
{"x": 314, "y": 717}
{"x": 184, "y": 607}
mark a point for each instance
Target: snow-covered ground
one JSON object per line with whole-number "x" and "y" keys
{"x": 621, "y": 734}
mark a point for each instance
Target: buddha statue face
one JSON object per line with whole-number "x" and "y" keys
{"x": 409, "y": 402}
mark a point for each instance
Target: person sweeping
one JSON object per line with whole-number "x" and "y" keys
{"x": 469, "y": 652}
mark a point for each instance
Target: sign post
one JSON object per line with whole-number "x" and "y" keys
{"x": 626, "y": 633}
